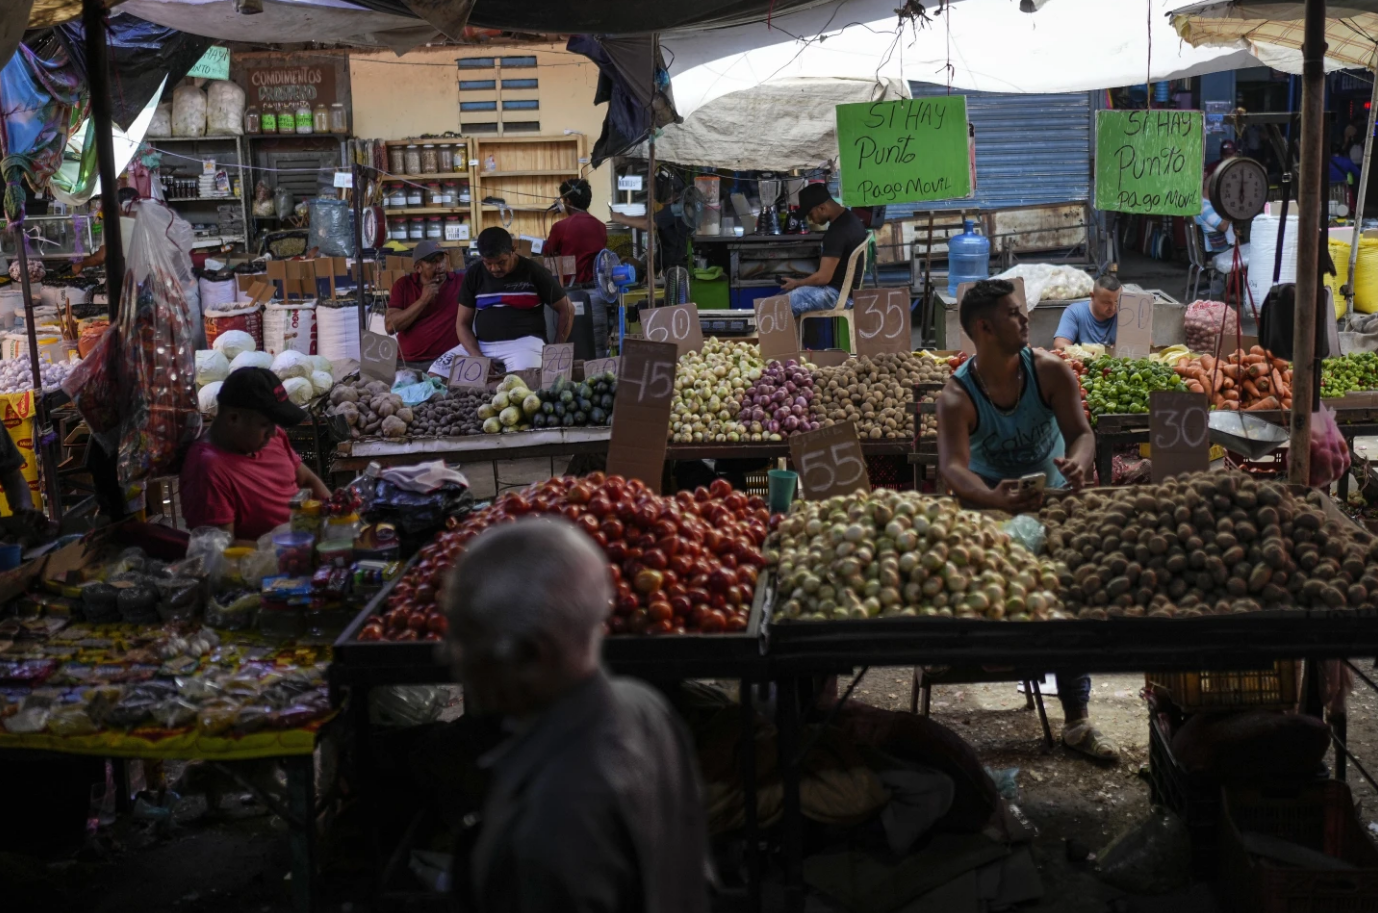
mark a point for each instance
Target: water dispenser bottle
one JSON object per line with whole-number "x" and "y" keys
{"x": 968, "y": 257}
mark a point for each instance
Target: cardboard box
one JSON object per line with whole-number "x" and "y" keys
{"x": 333, "y": 277}
{"x": 246, "y": 281}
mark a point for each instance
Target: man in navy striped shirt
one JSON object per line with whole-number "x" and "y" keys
{"x": 503, "y": 301}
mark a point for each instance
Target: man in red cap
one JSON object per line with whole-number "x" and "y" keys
{"x": 242, "y": 474}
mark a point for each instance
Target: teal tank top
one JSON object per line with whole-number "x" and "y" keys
{"x": 1011, "y": 444}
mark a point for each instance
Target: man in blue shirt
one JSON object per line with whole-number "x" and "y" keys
{"x": 1093, "y": 320}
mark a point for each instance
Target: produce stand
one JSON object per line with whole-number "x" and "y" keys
{"x": 361, "y": 666}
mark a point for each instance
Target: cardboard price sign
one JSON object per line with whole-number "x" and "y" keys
{"x": 1134, "y": 330}
{"x": 678, "y": 324}
{"x": 470, "y": 371}
{"x": 1150, "y": 162}
{"x": 911, "y": 149}
{"x": 1179, "y": 433}
{"x": 378, "y": 357}
{"x": 964, "y": 341}
{"x": 776, "y": 331}
{"x": 829, "y": 461}
{"x": 557, "y": 361}
{"x": 641, "y": 421}
{"x": 595, "y": 366}
{"x": 882, "y": 321}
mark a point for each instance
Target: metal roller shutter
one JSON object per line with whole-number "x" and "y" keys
{"x": 1030, "y": 150}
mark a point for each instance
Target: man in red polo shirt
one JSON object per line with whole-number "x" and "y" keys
{"x": 242, "y": 474}
{"x": 578, "y": 235}
{"x": 423, "y": 306}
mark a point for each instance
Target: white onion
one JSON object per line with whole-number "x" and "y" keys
{"x": 16, "y": 376}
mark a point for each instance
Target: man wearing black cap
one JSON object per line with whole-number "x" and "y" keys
{"x": 845, "y": 234}
{"x": 422, "y": 307}
{"x": 502, "y": 305}
{"x": 242, "y": 473}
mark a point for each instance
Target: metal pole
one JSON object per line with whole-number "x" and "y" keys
{"x": 355, "y": 195}
{"x": 47, "y": 462}
{"x": 651, "y": 185}
{"x": 1359, "y": 200}
{"x": 1309, "y": 205}
{"x": 102, "y": 116}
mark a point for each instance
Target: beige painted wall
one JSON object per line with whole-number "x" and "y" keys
{"x": 397, "y": 97}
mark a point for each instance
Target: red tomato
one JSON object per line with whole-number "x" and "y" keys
{"x": 747, "y": 575}
{"x": 735, "y": 501}
{"x": 416, "y": 621}
{"x": 654, "y": 558}
{"x": 660, "y": 627}
{"x": 736, "y": 596}
{"x": 616, "y": 572}
{"x": 612, "y": 528}
{"x": 712, "y": 540}
{"x": 669, "y": 545}
{"x": 681, "y": 564}
{"x": 756, "y": 502}
{"x": 617, "y": 549}
{"x": 627, "y": 604}
{"x": 736, "y": 623}
{"x": 596, "y": 478}
{"x": 408, "y": 634}
{"x": 625, "y": 510}
{"x": 681, "y": 605}
{"x": 638, "y": 621}
{"x": 433, "y": 636}
{"x": 617, "y": 625}
{"x": 660, "y": 610}
{"x": 437, "y": 623}
{"x": 371, "y": 631}
{"x": 701, "y": 494}
{"x": 589, "y": 523}
{"x": 714, "y": 622}
{"x": 580, "y": 493}
{"x": 720, "y": 488}
{"x": 648, "y": 581}
{"x": 517, "y": 505}
{"x": 600, "y": 506}
{"x": 601, "y": 539}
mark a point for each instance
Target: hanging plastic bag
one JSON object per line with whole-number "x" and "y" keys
{"x": 1329, "y": 449}
{"x": 1208, "y": 321}
{"x": 332, "y": 227}
{"x": 158, "y": 355}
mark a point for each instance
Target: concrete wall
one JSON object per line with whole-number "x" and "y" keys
{"x": 396, "y": 97}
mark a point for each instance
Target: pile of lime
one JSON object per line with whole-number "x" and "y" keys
{"x": 1118, "y": 386}
{"x": 1349, "y": 373}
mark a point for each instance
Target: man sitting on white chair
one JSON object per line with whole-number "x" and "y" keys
{"x": 845, "y": 234}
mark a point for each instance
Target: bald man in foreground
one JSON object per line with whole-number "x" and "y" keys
{"x": 594, "y": 804}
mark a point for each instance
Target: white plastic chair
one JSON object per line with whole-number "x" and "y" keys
{"x": 856, "y": 270}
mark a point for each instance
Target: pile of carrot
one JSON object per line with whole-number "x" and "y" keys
{"x": 1252, "y": 381}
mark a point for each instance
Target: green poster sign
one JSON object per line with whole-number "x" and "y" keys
{"x": 1149, "y": 162}
{"x": 214, "y": 64}
{"x": 906, "y": 151}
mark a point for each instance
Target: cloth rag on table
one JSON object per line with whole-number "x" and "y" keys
{"x": 423, "y": 477}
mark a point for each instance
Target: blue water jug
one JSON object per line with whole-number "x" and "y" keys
{"x": 968, "y": 257}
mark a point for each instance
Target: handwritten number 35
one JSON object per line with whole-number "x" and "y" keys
{"x": 883, "y": 319}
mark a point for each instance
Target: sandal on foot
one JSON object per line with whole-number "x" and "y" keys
{"x": 1086, "y": 739}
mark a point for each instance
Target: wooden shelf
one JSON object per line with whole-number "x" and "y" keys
{"x": 461, "y": 210}
{"x": 432, "y": 140}
{"x": 556, "y": 172}
{"x": 201, "y": 199}
{"x": 518, "y": 208}
{"x": 439, "y": 176}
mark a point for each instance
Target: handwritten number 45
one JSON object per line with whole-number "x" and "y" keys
{"x": 657, "y": 381}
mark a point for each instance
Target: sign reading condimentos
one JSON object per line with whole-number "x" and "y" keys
{"x": 309, "y": 83}
{"x": 1149, "y": 162}
{"x": 905, "y": 151}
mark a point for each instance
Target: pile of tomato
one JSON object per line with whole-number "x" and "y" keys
{"x": 1079, "y": 369}
{"x": 682, "y": 564}
{"x": 956, "y": 361}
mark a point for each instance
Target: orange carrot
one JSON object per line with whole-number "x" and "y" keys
{"x": 1230, "y": 371}
{"x": 1231, "y": 406}
{"x": 1208, "y": 363}
{"x": 1264, "y": 385}
{"x": 1231, "y": 395}
{"x": 1251, "y": 390}
{"x": 1195, "y": 387}
{"x": 1268, "y": 402}
{"x": 1277, "y": 380}
{"x": 1256, "y": 350}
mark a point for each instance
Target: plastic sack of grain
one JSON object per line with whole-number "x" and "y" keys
{"x": 290, "y": 326}
{"x": 337, "y": 330}
{"x": 161, "y": 125}
{"x": 217, "y": 294}
{"x": 1339, "y": 255}
{"x": 188, "y": 111}
{"x": 1366, "y": 277}
{"x": 1207, "y": 321}
{"x": 1263, "y": 243}
{"x": 224, "y": 108}
{"x": 245, "y": 318}
{"x": 331, "y": 227}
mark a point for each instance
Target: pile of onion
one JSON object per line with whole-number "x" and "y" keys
{"x": 777, "y": 404}
{"x": 683, "y": 564}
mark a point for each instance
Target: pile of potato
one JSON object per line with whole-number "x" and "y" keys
{"x": 370, "y": 408}
{"x": 873, "y": 392}
{"x": 903, "y": 554}
{"x": 451, "y": 415}
{"x": 1208, "y": 543}
{"x": 931, "y": 370}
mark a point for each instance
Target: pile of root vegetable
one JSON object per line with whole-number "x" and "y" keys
{"x": 891, "y": 554}
{"x": 370, "y": 408}
{"x": 1243, "y": 381}
{"x": 1210, "y": 543}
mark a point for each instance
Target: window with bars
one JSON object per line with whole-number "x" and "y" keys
{"x": 490, "y": 103}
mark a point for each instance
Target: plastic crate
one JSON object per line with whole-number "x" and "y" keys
{"x": 1194, "y": 798}
{"x": 1257, "y": 689}
{"x": 758, "y": 483}
{"x": 893, "y": 472}
{"x": 1319, "y": 816}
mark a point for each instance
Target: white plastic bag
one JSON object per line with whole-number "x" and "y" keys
{"x": 1207, "y": 321}
{"x": 224, "y": 108}
{"x": 188, "y": 111}
{"x": 1047, "y": 281}
{"x": 161, "y": 125}
{"x": 1329, "y": 449}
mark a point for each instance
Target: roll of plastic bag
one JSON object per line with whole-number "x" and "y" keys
{"x": 331, "y": 227}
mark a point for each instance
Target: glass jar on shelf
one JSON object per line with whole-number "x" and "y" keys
{"x": 339, "y": 119}
{"x": 430, "y": 160}
{"x": 454, "y": 228}
{"x": 435, "y": 231}
{"x": 320, "y": 118}
{"x": 397, "y": 230}
{"x": 268, "y": 119}
{"x": 414, "y": 197}
{"x": 434, "y": 195}
{"x": 252, "y": 120}
{"x": 304, "y": 118}
{"x": 397, "y": 159}
{"x": 449, "y": 192}
{"x": 287, "y": 121}
{"x": 416, "y": 229}
{"x": 461, "y": 158}
{"x": 413, "y": 158}
{"x": 396, "y": 197}
{"x": 445, "y": 153}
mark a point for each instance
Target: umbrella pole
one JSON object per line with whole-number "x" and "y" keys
{"x": 1359, "y": 200}
{"x": 651, "y": 185}
{"x": 102, "y": 116}
{"x": 1308, "y": 242}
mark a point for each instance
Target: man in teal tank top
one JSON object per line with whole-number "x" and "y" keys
{"x": 1008, "y": 413}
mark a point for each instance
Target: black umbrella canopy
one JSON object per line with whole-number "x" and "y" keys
{"x": 607, "y": 16}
